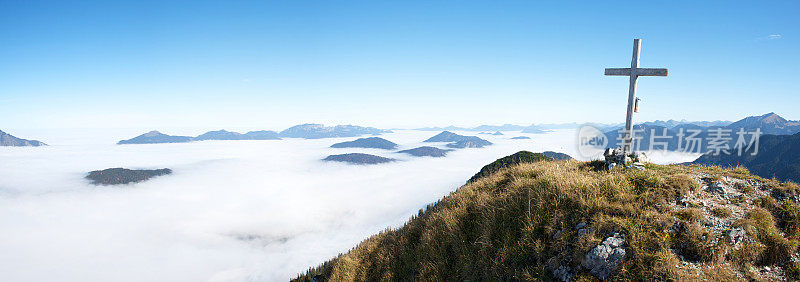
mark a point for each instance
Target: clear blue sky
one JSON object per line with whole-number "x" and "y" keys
{"x": 271, "y": 64}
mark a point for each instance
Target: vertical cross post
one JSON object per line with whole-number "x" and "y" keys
{"x": 627, "y": 144}
{"x": 633, "y": 73}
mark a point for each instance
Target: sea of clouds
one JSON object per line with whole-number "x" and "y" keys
{"x": 231, "y": 211}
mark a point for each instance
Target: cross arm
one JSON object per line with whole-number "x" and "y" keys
{"x": 639, "y": 71}
{"x": 623, "y": 71}
{"x": 651, "y": 72}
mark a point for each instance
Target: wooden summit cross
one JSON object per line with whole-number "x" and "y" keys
{"x": 633, "y": 72}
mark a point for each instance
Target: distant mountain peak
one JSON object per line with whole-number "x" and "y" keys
{"x": 777, "y": 158}
{"x": 9, "y": 140}
{"x": 773, "y": 118}
{"x": 770, "y": 123}
{"x": 316, "y": 131}
{"x": 221, "y": 134}
{"x": 444, "y": 136}
{"x": 154, "y": 137}
{"x": 308, "y": 131}
{"x": 459, "y": 141}
{"x": 369, "y": 142}
{"x": 152, "y": 133}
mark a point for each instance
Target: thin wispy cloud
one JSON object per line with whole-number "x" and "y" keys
{"x": 770, "y": 37}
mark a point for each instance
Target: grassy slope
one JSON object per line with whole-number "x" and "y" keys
{"x": 502, "y": 226}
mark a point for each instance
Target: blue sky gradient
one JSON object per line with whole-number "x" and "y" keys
{"x": 272, "y": 64}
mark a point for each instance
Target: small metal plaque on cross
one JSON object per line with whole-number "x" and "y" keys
{"x": 634, "y": 72}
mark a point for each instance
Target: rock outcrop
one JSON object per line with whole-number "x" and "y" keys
{"x": 616, "y": 158}
{"x": 606, "y": 257}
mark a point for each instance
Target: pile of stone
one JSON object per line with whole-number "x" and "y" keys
{"x": 606, "y": 257}
{"x": 618, "y": 158}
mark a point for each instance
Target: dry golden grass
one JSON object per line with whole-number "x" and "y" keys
{"x": 691, "y": 215}
{"x": 722, "y": 212}
{"x": 502, "y": 227}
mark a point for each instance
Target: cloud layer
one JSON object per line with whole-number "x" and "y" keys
{"x": 232, "y": 210}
